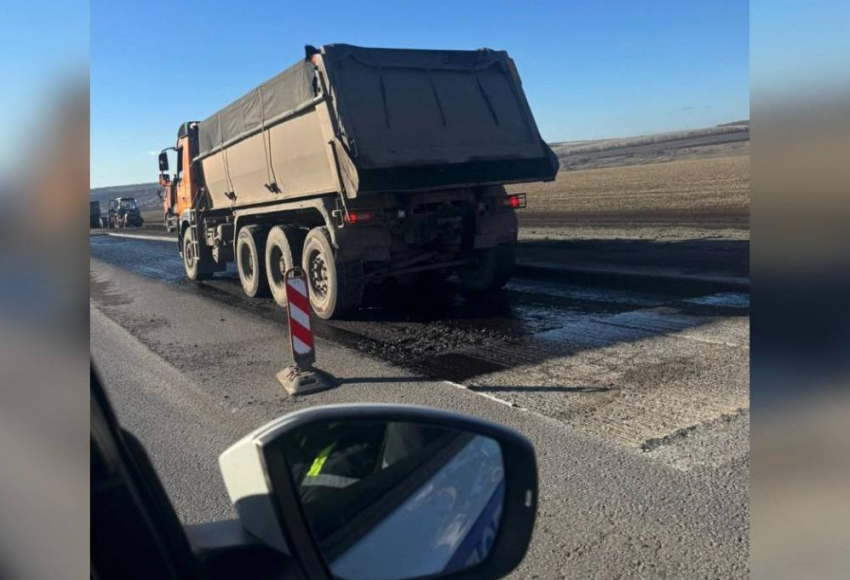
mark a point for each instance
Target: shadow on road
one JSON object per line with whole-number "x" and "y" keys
{"x": 541, "y": 389}
{"x": 379, "y": 380}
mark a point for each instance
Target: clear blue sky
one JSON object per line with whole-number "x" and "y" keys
{"x": 44, "y": 54}
{"x": 590, "y": 69}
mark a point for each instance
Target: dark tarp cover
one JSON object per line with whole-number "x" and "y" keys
{"x": 410, "y": 119}
{"x": 284, "y": 92}
{"x": 432, "y": 108}
{"x": 414, "y": 58}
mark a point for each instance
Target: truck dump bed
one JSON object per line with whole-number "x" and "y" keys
{"x": 392, "y": 120}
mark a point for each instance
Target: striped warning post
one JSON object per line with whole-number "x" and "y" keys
{"x": 298, "y": 309}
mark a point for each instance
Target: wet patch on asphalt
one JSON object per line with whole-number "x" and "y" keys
{"x": 152, "y": 259}
{"x": 441, "y": 334}
{"x": 101, "y": 291}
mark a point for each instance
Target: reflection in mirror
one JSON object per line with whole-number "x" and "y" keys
{"x": 395, "y": 501}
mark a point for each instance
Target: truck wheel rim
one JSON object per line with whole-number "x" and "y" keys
{"x": 318, "y": 275}
{"x": 247, "y": 262}
{"x": 188, "y": 252}
{"x": 277, "y": 269}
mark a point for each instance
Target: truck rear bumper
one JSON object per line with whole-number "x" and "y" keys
{"x": 385, "y": 253}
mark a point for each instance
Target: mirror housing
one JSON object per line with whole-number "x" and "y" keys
{"x": 164, "y": 181}
{"x": 261, "y": 485}
{"x": 163, "y": 161}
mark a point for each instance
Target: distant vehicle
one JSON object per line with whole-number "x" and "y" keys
{"x": 94, "y": 214}
{"x": 360, "y": 492}
{"x": 360, "y": 164}
{"x": 123, "y": 212}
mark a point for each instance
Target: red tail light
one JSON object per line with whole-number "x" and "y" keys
{"x": 516, "y": 201}
{"x": 359, "y": 217}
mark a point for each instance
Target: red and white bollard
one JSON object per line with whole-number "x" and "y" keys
{"x": 300, "y": 378}
{"x": 298, "y": 311}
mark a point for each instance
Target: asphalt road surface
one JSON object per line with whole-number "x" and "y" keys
{"x": 636, "y": 398}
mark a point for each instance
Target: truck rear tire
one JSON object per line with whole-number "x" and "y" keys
{"x": 493, "y": 269}
{"x": 197, "y": 267}
{"x": 249, "y": 261}
{"x": 336, "y": 288}
{"x": 283, "y": 251}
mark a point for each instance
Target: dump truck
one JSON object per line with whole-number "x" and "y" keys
{"x": 359, "y": 165}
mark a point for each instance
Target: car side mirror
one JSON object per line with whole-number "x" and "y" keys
{"x": 358, "y": 492}
{"x": 163, "y": 161}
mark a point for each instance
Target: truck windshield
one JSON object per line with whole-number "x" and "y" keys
{"x": 128, "y": 204}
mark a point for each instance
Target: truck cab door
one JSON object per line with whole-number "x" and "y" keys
{"x": 182, "y": 180}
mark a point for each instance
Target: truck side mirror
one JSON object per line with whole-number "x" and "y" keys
{"x": 164, "y": 180}
{"x": 163, "y": 161}
{"x": 358, "y": 492}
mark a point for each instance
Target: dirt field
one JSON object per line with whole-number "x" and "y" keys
{"x": 679, "y": 196}
{"x": 699, "y": 186}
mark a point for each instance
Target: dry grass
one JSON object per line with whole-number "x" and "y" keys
{"x": 698, "y": 186}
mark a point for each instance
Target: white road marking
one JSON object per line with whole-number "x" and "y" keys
{"x": 730, "y": 299}
{"x": 486, "y": 396}
{"x": 143, "y": 237}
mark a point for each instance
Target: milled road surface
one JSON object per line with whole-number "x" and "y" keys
{"x": 637, "y": 401}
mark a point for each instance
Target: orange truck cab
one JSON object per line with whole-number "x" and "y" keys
{"x": 180, "y": 190}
